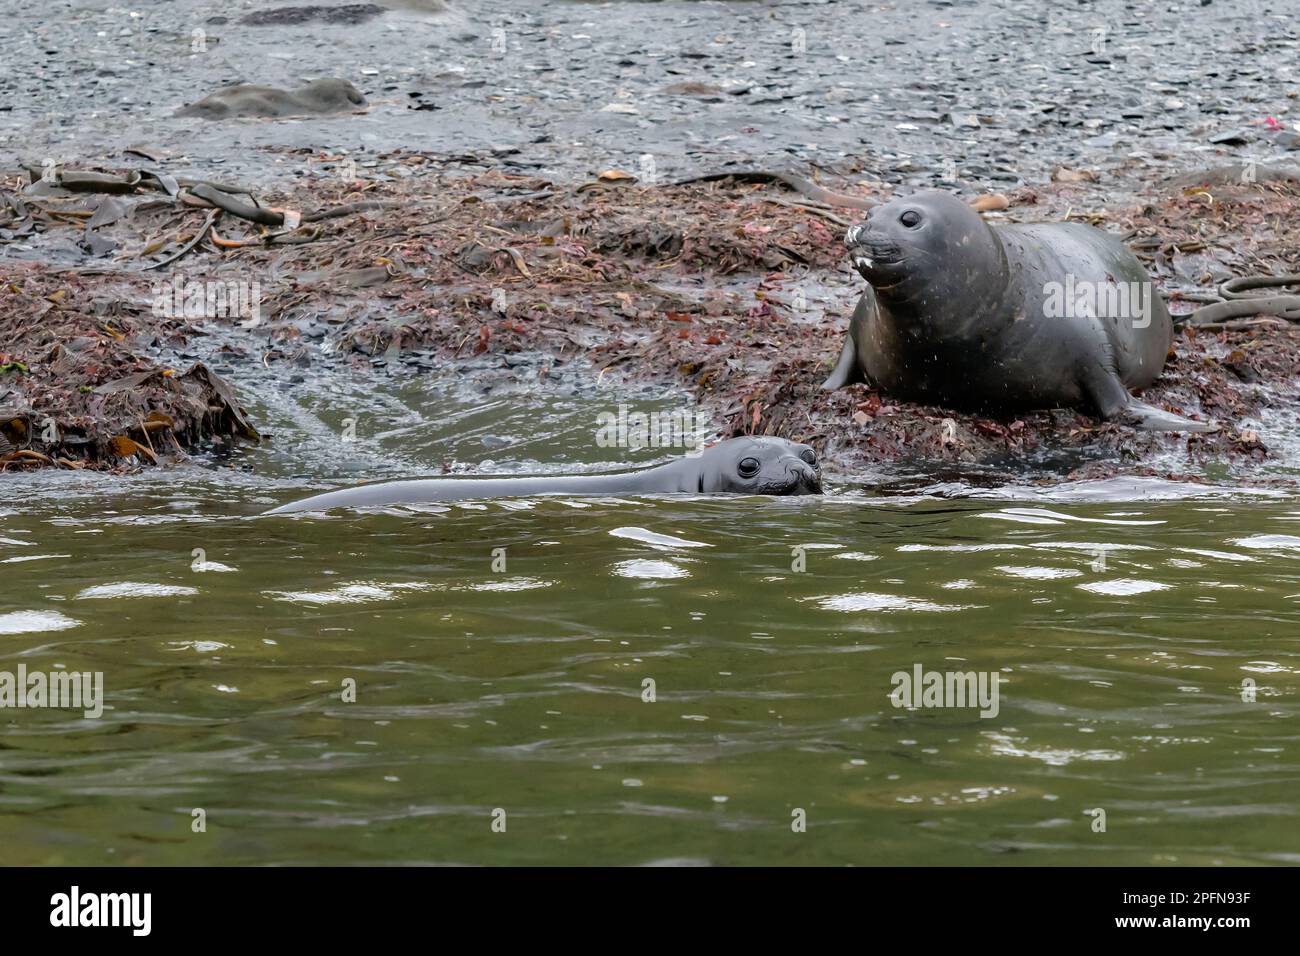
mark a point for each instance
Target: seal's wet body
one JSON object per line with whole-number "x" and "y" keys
{"x": 322, "y": 96}
{"x": 1002, "y": 319}
{"x": 745, "y": 466}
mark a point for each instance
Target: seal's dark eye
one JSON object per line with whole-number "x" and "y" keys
{"x": 911, "y": 219}
{"x": 748, "y": 467}
{"x": 808, "y": 456}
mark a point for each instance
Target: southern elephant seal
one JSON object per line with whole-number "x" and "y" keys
{"x": 1003, "y": 318}
{"x": 349, "y": 14}
{"x": 322, "y": 96}
{"x": 739, "y": 466}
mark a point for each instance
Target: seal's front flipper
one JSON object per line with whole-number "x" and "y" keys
{"x": 846, "y": 369}
{"x": 1142, "y": 415}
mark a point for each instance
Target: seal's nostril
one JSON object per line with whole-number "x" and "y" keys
{"x": 802, "y": 478}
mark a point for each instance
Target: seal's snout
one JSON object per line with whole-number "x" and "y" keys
{"x": 866, "y": 241}
{"x": 869, "y": 251}
{"x": 805, "y": 479}
{"x": 865, "y": 249}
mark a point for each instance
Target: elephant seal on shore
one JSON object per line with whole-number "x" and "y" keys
{"x": 1003, "y": 318}
{"x": 738, "y": 466}
{"x": 349, "y": 14}
{"x": 321, "y": 96}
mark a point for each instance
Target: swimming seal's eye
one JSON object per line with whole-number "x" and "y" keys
{"x": 911, "y": 219}
{"x": 808, "y": 456}
{"x": 748, "y": 467}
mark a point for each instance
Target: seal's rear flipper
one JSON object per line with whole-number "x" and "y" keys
{"x": 1111, "y": 400}
{"x": 846, "y": 369}
{"x": 1142, "y": 415}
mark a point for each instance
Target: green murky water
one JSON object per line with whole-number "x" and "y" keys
{"x": 1122, "y": 632}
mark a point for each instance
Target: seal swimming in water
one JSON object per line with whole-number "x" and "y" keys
{"x": 1005, "y": 318}
{"x": 322, "y": 96}
{"x": 738, "y": 466}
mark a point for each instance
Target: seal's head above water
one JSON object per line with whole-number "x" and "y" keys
{"x": 926, "y": 249}
{"x": 737, "y": 466}
{"x": 759, "y": 466}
